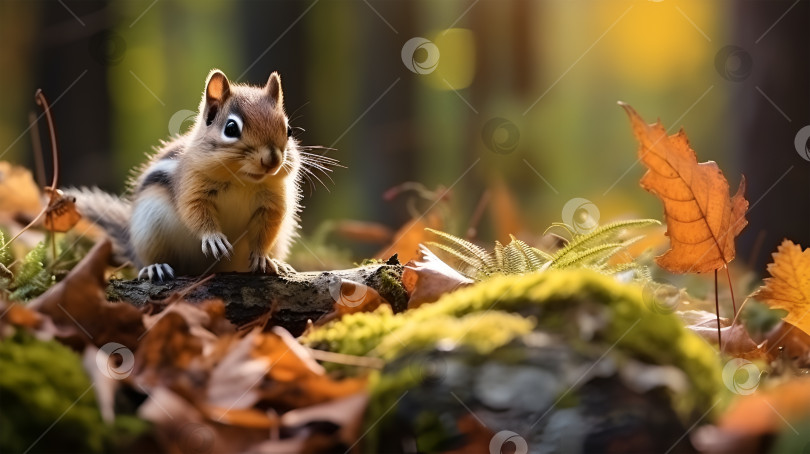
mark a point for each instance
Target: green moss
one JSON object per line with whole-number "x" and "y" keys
{"x": 46, "y": 393}
{"x": 391, "y": 287}
{"x": 487, "y": 311}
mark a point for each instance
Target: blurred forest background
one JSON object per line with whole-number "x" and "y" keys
{"x": 122, "y": 75}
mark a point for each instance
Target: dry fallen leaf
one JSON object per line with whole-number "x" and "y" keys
{"x": 768, "y": 410}
{"x": 19, "y": 315}
{"x": 352, "y": 297}
{"x": 702, "y": 220}
{"x": 790, "y": 343}
{"x": 61, "y": 214}
{"x": 427, "y": 278}
{"x": 788, "y": 287}
{"x": 78, "y": 305}
{"x": 19, "y": 194}
{"x": 295, "y": 379}
{"x": 736, "y": 340}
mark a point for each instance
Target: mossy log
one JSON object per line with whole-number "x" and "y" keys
{"x": 293, "y": 299}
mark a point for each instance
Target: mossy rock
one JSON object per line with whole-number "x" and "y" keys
{"x": 593, "y": 317}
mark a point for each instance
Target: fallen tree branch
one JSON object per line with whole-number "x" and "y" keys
{"x": 293, "y": 299}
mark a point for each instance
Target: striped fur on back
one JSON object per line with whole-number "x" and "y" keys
{"x": 111, "y": 213}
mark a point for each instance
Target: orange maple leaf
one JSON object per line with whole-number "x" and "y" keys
{"x": 702, "y": 220}
{"x": 788, "y": 287}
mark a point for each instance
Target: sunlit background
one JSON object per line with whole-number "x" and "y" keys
{"x": 510, "y": 105}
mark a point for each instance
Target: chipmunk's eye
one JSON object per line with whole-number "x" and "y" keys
{"x": 233, "y": 128}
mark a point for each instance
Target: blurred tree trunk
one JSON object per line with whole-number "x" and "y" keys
{"x": 781, "y": 71}
{"x": 68, "y": 54}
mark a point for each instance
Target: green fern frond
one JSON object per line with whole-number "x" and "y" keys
{"x": 513, "y": 261}
{"x": 32, "y": 278}
{"x": 498, "y": 252}
{"x": 542, "y": 255}
{"x": 588, "y": 256}
{"x": 561, "y": 225}
{"x": 461, "y": 244}
{"x": 601, "y": 234}
{"x": 474, "y": 263}
{"x": 592, "y": 250}
{"x": 6, "y": 257}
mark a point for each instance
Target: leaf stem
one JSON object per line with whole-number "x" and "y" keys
{"x": 40, "y": 98}
{"x": 731, "y": 289}
{"x": 717, "y": 309}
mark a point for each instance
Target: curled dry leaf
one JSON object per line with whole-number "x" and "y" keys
{"x": 61, "y": 214}
{"x": 736, "y": 340}
{"x": 702, "y": 219}
{"x": 788, "y": 287}
{"x": 295, "y": 379}
{"x": 351, "y": 297}
{"x": 789, "y": 343}
{"x": 78, "y": 305}
{"x": 428, "y": 278}
{"x": 167, "y": 350}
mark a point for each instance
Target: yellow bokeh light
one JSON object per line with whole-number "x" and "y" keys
{"x": 657, "y": 42}
{"x": 456, "y": 68}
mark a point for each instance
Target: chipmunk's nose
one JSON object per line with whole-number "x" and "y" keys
{"x": 270, "y": 160}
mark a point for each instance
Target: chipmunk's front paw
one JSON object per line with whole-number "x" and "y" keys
{"x": 260, "y": 263}
{"x": 216, "y": 245}
{"x": 157, "y": 272}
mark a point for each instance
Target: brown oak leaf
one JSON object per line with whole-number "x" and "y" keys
{"x": 702, "y": 220}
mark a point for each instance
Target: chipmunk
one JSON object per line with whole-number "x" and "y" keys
{"x": 222, "y": 197}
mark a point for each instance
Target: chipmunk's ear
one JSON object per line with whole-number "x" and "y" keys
{"x": 217, "y": 90}
{"x": 273, "y": 88}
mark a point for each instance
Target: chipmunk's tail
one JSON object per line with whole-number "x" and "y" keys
{"x": 109, "y": 212}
